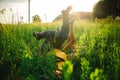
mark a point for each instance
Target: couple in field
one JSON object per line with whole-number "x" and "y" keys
{"x": 56, "y": 39}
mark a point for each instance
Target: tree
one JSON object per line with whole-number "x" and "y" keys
{"x": 76, "y": 16}
{"x": 36, "y": 19}
{"x": 106, "y": 8}
{"x": 58, "y": 18}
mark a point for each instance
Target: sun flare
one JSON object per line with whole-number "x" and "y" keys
{"x": 49, "y": 9}
{"x": 85, "y": 5}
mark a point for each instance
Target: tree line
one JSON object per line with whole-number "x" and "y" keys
{"x": 105, "y": 8}
{"x": 101, "y": 10}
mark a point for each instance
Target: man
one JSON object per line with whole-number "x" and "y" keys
{"x": 56, "y": 41}
{"x": 51, "y": 39}
{"x": 64, "y": 30}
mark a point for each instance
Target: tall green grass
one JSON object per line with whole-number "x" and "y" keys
{"x": 98, "y": 51}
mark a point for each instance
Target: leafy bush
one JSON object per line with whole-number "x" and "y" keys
{"x": 67, "y": 70}
{"x": 97, "y": 75}
{"x": 39, "y": 68}
{"x": 97, "y": 47}
{"x": 85, "y": 69}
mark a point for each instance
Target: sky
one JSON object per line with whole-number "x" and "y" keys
{"x": 46, "y": 9}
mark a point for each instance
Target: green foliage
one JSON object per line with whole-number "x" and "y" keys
{"x": 85, "y": 69}
{"x": 77, "y": 71}
{"x": 97, "y": 75}
{"x": 36, "y": 19}
{"x": 67, "y": 70}
{"x": 97, "y": 47}
{"x": 106, "y": 8}
{"x": 39, "y": 68}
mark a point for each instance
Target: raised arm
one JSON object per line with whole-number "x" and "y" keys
{"x": 62, "y": 36}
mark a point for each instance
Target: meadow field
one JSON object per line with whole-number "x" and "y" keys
{"x": 97, "y": 55}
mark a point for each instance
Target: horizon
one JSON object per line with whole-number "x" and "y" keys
{"x": 47, "y": 10}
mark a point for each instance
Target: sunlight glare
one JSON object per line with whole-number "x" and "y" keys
{"x": 49, "y": 9}
{"x": 84, "y": 5}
